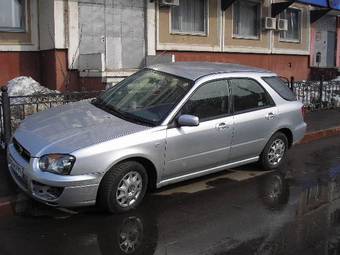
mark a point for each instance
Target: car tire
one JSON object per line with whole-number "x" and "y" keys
{"x": 274, "y": 152}
{"x": 123, "y": 187}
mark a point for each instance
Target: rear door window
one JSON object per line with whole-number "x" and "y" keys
{"x": 248, "y": 95}
{"x": 280, "y": 87}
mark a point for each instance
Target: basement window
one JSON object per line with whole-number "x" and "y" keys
{"x": 190, "y": 17}
{"x": 12, "y": 16}
{"x": 293, "y": 34}
{"x": 246, "y": 19}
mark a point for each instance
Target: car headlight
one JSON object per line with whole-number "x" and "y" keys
{"x": 57, "y": 163}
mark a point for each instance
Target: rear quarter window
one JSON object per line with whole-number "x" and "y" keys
{"x": 280, "y": 87}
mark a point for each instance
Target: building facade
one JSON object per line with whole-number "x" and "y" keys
{"x": 83, "y": 44}
{"x": 236, "y": 32}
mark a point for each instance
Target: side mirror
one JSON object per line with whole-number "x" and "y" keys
{"x": 188, "y": 121}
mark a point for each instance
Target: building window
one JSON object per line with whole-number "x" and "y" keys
{"x": 293, "y": 33}
{"x": 190, "y": 17}
{"x": 12, "y": 15}
{"x": 246, "y": 19}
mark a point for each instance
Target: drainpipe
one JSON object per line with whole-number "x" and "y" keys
{"x": 146, "y": 43}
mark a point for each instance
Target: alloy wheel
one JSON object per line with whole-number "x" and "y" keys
{"x": 129, "y": 189}
{"x": 276, "y": 152}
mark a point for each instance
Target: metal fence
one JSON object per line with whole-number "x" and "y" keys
{"x": 1, "y": 124}
{"x": 318, "y": 95}
{"x": 13, "y": 109}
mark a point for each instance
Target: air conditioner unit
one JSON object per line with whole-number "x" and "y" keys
{"x": 269, "y": 23}
{"x": 282, "y": 25}
{"x": 169, "y": 2}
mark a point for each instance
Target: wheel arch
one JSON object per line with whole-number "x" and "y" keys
{"x": 288, "y": 133}
{"x": 150, "y": 168}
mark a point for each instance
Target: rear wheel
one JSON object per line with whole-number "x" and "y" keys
{"x": 274, "y": 152}
{"x": 123, "y": 187}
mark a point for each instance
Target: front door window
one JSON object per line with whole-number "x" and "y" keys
{"x": 210, "y": 101}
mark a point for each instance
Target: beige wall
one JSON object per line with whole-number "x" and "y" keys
{"x": 220, "y": 34}
{"x": 304, "y": 43}
{"x": 168, "y": 40}
{"x": 263, "y": 42}
{"x": 19, "y": 37}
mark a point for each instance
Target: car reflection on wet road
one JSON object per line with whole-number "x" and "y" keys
{"x": 264, "y": 215}
{"x": 235, "y": 212}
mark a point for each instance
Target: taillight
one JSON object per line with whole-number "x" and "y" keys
{"x": 303, "y": 112}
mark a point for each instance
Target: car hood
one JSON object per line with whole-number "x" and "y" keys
{"x": 70, "y": 127}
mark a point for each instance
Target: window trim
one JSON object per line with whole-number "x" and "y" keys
{"x": 23, "y": 29}
{"x": 266, "y": 77}
{"x": 270, "y": 99}
{"x": 172, "y": 122}
{"x": 247, "y": 37}
{"x": 297, "y": 41}
{"x": 197, "y": 33}
{"x": 191, "y": 84}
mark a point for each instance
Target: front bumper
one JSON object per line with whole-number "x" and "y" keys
{"x": 49, "y": 188}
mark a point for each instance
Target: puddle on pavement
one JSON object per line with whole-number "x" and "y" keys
{"x": 262, "y": 214}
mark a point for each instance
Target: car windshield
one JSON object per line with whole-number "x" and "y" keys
{"x": 146, "y": 97}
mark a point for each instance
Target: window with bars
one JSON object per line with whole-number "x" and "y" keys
{"x": 12, "y": 15}
{"x": 190, "y": 17}
{"x": 246, "y": 19}
{"x": 294, "y": 25}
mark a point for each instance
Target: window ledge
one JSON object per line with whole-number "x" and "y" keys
{"x": 246, "y": 37}
{"x": 290, "y": 41}
{"x": 12, "y": 30}
{"x": 190, "y": 33}
{"x": 121, "y": 73}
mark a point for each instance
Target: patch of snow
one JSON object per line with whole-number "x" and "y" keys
{"x": 25, "y": 86}
{"x": 336, "y": 79}
{"x": 21, "y": 107}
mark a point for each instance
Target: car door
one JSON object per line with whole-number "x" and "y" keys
{"x": 191, "y": 149}
{"x": 255, "y": 118}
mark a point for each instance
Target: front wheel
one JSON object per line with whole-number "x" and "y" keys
{"x": 123, "y": 187}
{"x": 274, "y": 152}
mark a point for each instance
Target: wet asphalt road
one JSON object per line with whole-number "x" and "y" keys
{"x": 290, "y": 211}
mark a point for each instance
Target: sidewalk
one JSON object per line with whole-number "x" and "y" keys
{"x": 7, "y": 185}
{"x": 323, "y": 119}
{"x": 321, "y": 124}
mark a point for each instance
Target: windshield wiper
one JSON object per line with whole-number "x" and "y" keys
{"x": 139, "y": 120}
{"x": 123, "y": 115}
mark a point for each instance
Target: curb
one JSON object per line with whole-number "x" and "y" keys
{"x": 317, "y": 135}
{"x": 7, "y": 205}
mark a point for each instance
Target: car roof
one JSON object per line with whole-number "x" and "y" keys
{"x": 196, "y": 70}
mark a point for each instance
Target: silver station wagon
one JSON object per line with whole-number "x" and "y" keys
{"x": 162, "y": 125}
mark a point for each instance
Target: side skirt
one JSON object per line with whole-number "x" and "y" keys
{"x": 206, "y": 171}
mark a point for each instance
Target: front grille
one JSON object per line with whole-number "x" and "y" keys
{"x": 21, "y": 150}
{"x": 21, "y": 180}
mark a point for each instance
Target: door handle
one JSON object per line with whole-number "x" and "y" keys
{"x": 222, "y": 126}
{"x": 270, "y": 116}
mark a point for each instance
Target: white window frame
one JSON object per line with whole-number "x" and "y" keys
{"x": 248, "y": 37}
{"x": 282, "y": 39}
{"x": 24, "y": 25}
{"x": 197, "y": 33}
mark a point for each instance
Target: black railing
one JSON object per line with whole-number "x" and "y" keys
{"x": 13, "y": 109}
{"x": 318, "y": 95}
{"x": 2, "y": 138}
